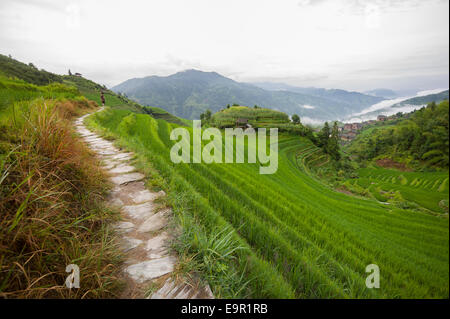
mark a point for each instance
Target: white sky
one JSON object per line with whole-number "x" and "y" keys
{"x": 349, "y": 44}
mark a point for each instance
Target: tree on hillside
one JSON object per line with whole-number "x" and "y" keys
{"x": 228, "y": 106}
{"x": 324, "y": 136}
{"x": 333, "y": 143}
{"x": 70, "y": 73}
{"x": 256, "y": 106}
{"x": 432, "y": 105}
{"x": 205, "y": 116}
{"x": 295, "y": 119}
{"x": 208, "y": 115}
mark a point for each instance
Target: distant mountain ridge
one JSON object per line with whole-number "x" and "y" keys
{"x": 189, "y": 93}
{"x": 386, "y": 93}
{"x": 422, "y": 100}
{"x": 405, "y": 106}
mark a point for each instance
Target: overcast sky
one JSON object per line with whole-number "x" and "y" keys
{"x": 349, "y": 44}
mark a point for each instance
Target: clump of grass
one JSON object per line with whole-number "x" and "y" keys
{"x": 211, "y": 255}
{"x": 51, "y": 195}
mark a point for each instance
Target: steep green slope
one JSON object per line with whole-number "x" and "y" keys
{"x": 12, "y": 70}
{"x": 296, "y": 237}
{"x": 27, "y": 72}
{"x": 16, "y": 91}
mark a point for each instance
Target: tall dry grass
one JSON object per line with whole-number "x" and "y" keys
{"x": 51, "y": 211}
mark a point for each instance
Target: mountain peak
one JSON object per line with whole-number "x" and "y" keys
{"x": 197, "y": 73}
{"x": 190, "y": 92}
{"x": 197, "y": 76}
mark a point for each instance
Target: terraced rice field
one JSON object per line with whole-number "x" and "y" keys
{"x": 311, "y": 158}
{"x": 427, "y": 189}
{"x": 300, "y": 239}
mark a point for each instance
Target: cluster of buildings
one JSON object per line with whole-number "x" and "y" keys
{"x": 349, "y": 130}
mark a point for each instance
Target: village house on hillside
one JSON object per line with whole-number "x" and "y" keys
{"x": 349, "y": 131}
{"x": 347, "y": 127}
{"x": 381, "y": 118}
{"x": 348, "y": 136}
{"x": 78, "y": 74}
{"x": 241, "y": 123}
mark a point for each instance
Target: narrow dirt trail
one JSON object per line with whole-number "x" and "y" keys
{"x": 143, "y": 235}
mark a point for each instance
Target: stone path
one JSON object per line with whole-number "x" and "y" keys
{"x": 144, "y": 238}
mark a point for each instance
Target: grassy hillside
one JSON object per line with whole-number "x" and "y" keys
{"x": 19, "y": 73}
{"x": 160, "y": 114}
{"x": 428, "y": 190}
{"x": 27, "y": 72}
{"x": 258, "y": 118}
{"x": 286, "y": 235}
{"x": 17, "y": 90}
{"x": 255, "y": 116}
{"x": 51, "y": 197}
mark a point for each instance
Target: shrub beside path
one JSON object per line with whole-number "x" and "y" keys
{"x": 144, "y": 239}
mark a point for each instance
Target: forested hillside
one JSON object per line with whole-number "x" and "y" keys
{"x": 421, "y": 139}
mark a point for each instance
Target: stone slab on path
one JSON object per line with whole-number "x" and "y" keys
{"x": 157, "y": 246}
{"x": 139, "y": 212}
{"x": 104, "y": 147}
{"x": 127, "y": 178}
{"x": 170, "y": 290}
{"x": 129, "y": 243}
{"x": 124, "y": 226}
{"x": 121, "y": 156}
{"x": 144, "y": 196}
{"x": 105, "y": 152}
{"x": 151, "y": 269}
{"x": 154, "y": 222}
{"x": 108, "y": 164}
{"x": 121, "y": 169}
